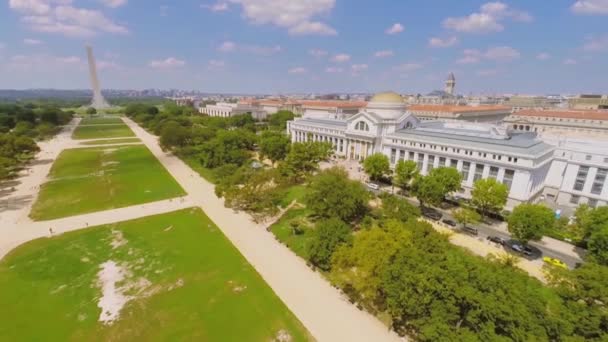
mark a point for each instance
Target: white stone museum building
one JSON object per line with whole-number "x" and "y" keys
{"x": 521, "y": 160}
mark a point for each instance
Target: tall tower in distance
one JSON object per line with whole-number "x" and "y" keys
{"x": 450, "y": 84}
{"x": 98, "y": 101}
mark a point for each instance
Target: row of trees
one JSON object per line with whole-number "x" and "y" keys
{"x": 432, "y": 290}
{"x": 20, "y": 124}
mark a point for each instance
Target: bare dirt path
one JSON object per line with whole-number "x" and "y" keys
{"x": 324, "y": 311}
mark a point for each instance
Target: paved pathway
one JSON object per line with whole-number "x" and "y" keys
{"x": 321, "y": 308}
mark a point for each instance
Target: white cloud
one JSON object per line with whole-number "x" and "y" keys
{"x": 358, "y": 68}
{"x": 592, "y": 7}
{"x": 227, "y": 46}
{"x": 407, "y": 67}
{"x": 107, "y": 65}
{"x": 498, "y": 54}
{"x": 170, "y": 62}
{"x": 543, "y": 56}
{"x": 297, "y": 70}
{"x": 216, "y": 64}
{"x": 570, "y": 61}
{"x": 396, "y": 28}
{"x": 596, "y": 43}
{"x": 333, "y": 70}
{"x": 43, "y": 62}
{"x": 341, "y": 58}
{"x": 217, "y": 7}
{"x": 384, "y": 53}
{"x": 297, "y": 16}
{"x": 317, "y": 53}
{"x": 443, "y": 43}
{"x": 29, "y": 41}
{"x": 490, "y": 18}
{"x": 58, "y": 16}
{"x": 487, "y": 72}
{"x": 114, "y": 3}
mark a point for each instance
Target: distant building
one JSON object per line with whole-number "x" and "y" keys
{"x": 225, "y": 110}
{"x": 570, "y": 123}
{"x": 450, "y": 84}
{"x": 589, "y": 102}
{"x": 331, "y": 109}
{"x": 518, "y": 102}
{"x": 479, "y": 113}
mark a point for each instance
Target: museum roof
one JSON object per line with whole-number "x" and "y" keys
{"x": 333, "y": 104}
{"x": 456, "y": 109}
{"x": 334, "y": 124}
{"x": 567, "y": 114}
{"x": 476, "y": 136}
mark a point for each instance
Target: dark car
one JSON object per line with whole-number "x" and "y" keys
{"x": 449, "y": 222}
{"x": 497, "y": 239}
{"x": 525, "y": 250}
{"x": 432, "y": 214}
{"x": 470, "y": 230}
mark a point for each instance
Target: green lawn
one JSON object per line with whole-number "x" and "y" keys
{"x": 101, "y": 120}
{"x": 111, "y": 141}
{"x": 102, "y": 131}
{"x": 194, "y": 285}
{"x": 283, "y": 231}
{"x": 93, "y": 179}
{"x": 196, "y": 165}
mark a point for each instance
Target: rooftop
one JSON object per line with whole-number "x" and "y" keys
{"x": 387, "y": 97}
{"x": 567, "y": 114}
{"x": 333, "y": 104}
{"x": 456, "y": 109}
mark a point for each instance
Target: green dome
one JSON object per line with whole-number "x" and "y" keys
{"x": 387, "y": 97}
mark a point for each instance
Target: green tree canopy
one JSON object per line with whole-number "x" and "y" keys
{"x": 466, "y": 216}
{"x": 279, "y": 119}
{"x": 332, "y": 194}
{"x": 433, "y": 188}
{"x": 304, "y": 158}
{"x": 172, "y": 134}
{"x": 376, "y": 166}
{"x": 405, "y": 172}
{"x": 397, "y": 208}
{"x": 274, "y": 145}
{"x": 91, "y": 111}
{"x": 328, "y": 235}
{"x": 598, "y": 245}
{"x": 489, "y": 195}
{"x": 529, "y": 221}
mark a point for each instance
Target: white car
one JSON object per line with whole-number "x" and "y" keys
{"x": 373, "y": 186}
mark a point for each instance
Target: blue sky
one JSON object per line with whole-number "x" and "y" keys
{"x": 279, "y": 46}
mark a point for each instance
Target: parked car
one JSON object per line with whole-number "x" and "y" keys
{"x": 525, "y": 250}
{"x": 449, "y": 222}
{"x": 555, "y": 262}
{"x": 373, "y": 186}
{"x": 431, "y": 213}
{"x": 470, "y": 230}
{"x": 497, "y": 239}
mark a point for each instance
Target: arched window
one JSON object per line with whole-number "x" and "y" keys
{"x": 362, "y": 126}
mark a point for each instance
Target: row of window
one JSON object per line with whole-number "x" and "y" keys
{"x": 464, "y": 171}
{"x": 598, "y": 182}
{"x": 545, "y": 118}
{"x": 576, "y": 199}
{"x": 498, "y": 157}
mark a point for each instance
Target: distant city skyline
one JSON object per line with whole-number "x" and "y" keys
{"x": 318, "y": 46}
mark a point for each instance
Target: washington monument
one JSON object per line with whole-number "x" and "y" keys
{"x": 98, "y": 101}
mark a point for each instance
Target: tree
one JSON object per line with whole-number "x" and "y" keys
{"x": 332, "y": 194}
{"x": 328, "y": 235}
{"x": 274, "y": 145}
{"x": 405, "y": 172}
{"x": 172, "y": 134}
{"x": 466, "y": 216}
{"x": 397, "y": 208}
{"x": 304, "y": 158}
{"x": 257, "y": 193}
{"x": 489, "y": 195}
{"x": 598, "y": 246}
{"x": 433, "y": 188}
{"x": 228, "y": 147}
{"x": 376, "y": 166}
{"x": 529, "y": 221}
{"x": 91, "y": 111}
{"x": 279, "y": 119}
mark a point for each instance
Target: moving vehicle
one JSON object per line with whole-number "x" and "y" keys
{"x": 525, "y": 250}
{"x": 432, "y": 214}
{"x": 373, "y": 186}
{"x": 555, "y": 262}
{"x": 449, "y": 222}
{"x": 470, "y": 230}
{"x": 497, "y": 239}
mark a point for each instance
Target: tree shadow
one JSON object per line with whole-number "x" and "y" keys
{"x": 15, "y": 203}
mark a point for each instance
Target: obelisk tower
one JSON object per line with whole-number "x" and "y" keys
{"x": 98, "y": 101}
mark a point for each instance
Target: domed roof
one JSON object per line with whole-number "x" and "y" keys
{"x": 387, "y": 97}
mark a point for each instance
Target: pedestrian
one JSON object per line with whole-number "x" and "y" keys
{"x": 51, "y": 231}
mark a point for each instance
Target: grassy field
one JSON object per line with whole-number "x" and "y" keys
{"x": 101, "y": 120}
{"x": 102, "y": 131}
{"x": 195, "y": 165}
{"x": 94, "y": 179}
{"x": 188, "y": 283}
{"x": 111, "y": 141}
